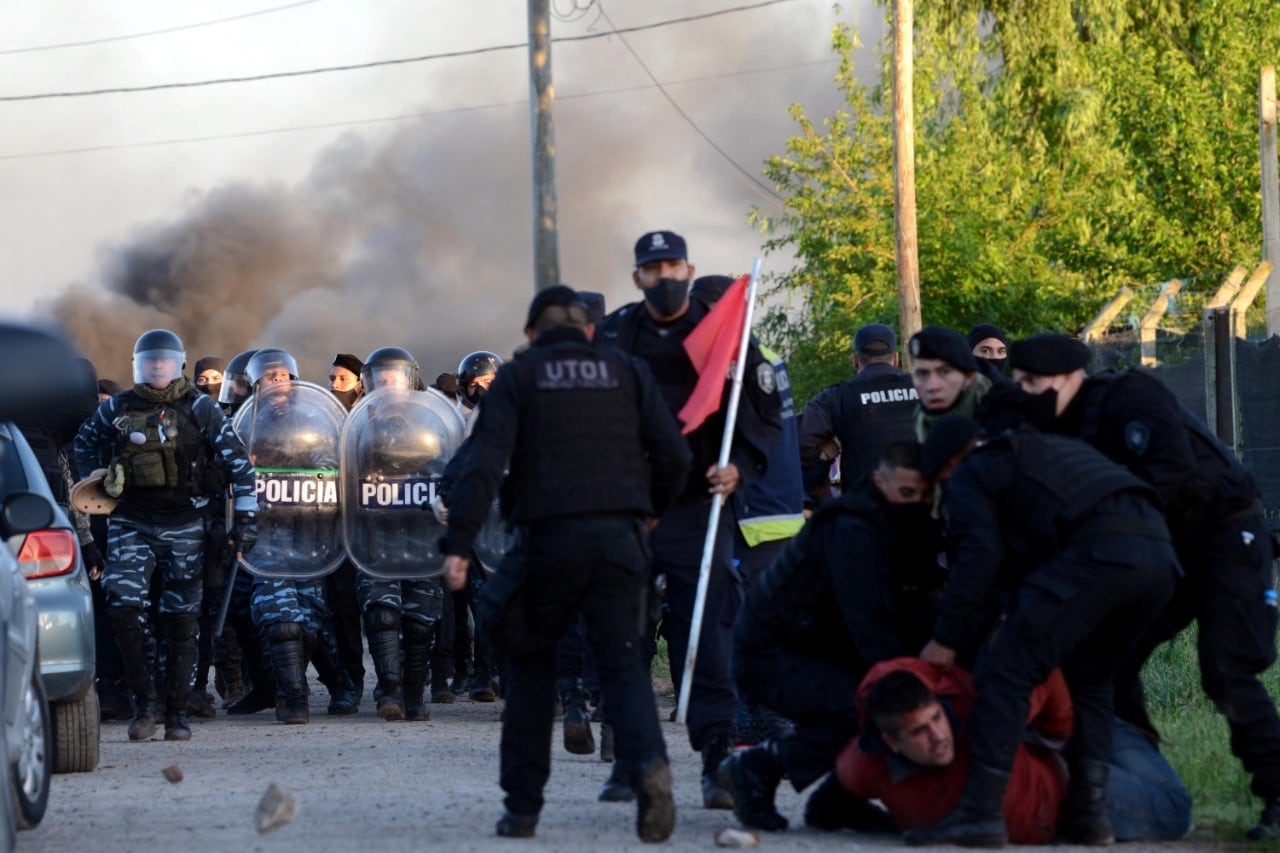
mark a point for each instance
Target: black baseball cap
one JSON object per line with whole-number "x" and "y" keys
{"x": 875, "y": 339}
{"x": 660, "y": 246}
{"x": 558, "y": 294}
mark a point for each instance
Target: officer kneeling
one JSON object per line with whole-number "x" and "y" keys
{"x": 594, "y": 454}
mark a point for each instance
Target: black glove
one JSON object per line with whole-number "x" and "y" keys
{"x": 92, "y": 558}
{"x": 244, "y": 532}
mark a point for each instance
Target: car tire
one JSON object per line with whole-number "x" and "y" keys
{"x": 76, "y": 732}
{"x": 32, "y": 772}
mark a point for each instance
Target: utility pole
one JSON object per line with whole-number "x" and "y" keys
{"x": 904, "y": 172}
{"x": 546, "y": 252}
{"x": 1270, "y": 192}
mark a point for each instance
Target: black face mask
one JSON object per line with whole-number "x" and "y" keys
{"x": 908, "y": 518}
{"x": 1040, "y": 410}
{"x": 213, "y": 389}
{"x": 347, "y": 398}
{"x": 667, "y": 297}
{"x": 1002, "y": 364}
{"x": 473, "y": 394}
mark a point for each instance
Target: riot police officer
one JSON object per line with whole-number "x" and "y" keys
{"x": 162, "y": 437}
{"x": 475, "y": 375}
{"x": 1215, "y": 513}
{"x": 593, "y": 452}
{"x": 236, "y": 387}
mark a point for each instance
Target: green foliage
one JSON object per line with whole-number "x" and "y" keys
{"x": 1062, "y": 149}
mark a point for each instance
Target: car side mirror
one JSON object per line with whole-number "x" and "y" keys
{"x": 23, "y": 512}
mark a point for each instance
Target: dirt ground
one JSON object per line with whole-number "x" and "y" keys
{"x": 364, "y": 784}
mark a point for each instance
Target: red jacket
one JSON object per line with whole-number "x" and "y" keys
{"x": 921, "y": 796}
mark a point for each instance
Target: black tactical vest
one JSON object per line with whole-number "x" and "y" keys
{"x": 160, "y": 446}
{"x": 578, "y": 448}
{"x": 875, "y": 409}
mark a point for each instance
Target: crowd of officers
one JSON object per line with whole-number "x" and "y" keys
{"x": 999, "y": 510}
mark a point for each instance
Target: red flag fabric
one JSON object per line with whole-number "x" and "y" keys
{"x": 712, "y": 347}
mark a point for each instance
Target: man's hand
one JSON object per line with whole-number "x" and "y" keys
{"x": 455, "y": 572}
{"x": 723, "y": 480}
{"x": 440, "y": 510}
{"x": 243, "y": 533}
{"x": 92, "y": 559}
{"x": 938, "y": 655}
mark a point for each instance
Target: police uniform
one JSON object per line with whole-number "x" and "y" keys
{"x": 854, "y": 588}
{"x": 1082, "y": 554}
{"x": 677, "y": 543}
{"x": 163, "y": 441}
{"x": 592, "y": 451}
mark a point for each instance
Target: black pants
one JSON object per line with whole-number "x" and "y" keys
{"x": 1223, "y": 590}
{"x": 817, "y": 696}
{"x": 677, "y": 545}
{"x": 595, "y": 566}
{"x": 1083, "y": 610}
{"x": 344, "y": 605}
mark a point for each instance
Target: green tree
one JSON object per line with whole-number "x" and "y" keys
{"x": 1062, "y": 149}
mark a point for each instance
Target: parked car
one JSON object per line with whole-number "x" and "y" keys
{"x": 49, "y": 557}
{"x": 37, "y": 369}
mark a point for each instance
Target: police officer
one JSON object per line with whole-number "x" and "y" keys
{"x": 654, "y": 331}
{"x": 1215, "y": 513}
{"x": 400, "y": 616}
{"x": 1080, "y": 552}
{"x": 853, "y": 589}
{"x": 475, "y": 374}
{"x": 593, "y": 452}
{"x": 946, "y": 377}
{"x": 344, "y": 379}
{"x": 863, "y": 414}
{"x": 161, "y": 436}
{"x": 208, "y": 375}
{"x": 235, "y": 388}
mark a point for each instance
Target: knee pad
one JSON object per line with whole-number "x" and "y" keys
{"x": 380, "y": 618}
{"x": 417, "y": 631}
{"x": 282, "y": 632}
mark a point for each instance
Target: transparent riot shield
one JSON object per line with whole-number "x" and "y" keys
{"x": 291, "y": 431}
{"x": 493, "y": 540}
{"x": 394, "y": 449}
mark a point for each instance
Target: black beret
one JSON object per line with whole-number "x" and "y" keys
{"x": 982, "y": 331}
{"x": 948, "y": 437}
{"x": 557, "y": 294}
{"x": 945, "y": 344}
{"x": 1049, "y": 354}
{"x": 349, "y": 361}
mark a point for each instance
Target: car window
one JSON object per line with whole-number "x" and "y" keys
{"x": 13, "y": 477}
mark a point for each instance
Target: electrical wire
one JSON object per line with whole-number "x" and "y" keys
{"x": 129, "y": 36}
{"x": 159, "y": 143}
{"x": 755, "y": 183}
{"x": 118, "y": 90}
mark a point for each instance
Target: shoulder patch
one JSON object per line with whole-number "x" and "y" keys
{"x": 765, "y": 378}
{"x": 1137, "y": 436}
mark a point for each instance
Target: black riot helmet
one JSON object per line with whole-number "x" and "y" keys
{"x": 158, "y": 358}
{"x": 389, "y": 367}
{"x": 269, "y": 360}
{"x": 475, "y": 372}
{"x": 235, "y": 379}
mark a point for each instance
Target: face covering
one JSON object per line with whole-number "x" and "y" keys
{"x": 213, "y": 389}
{"x": 1040, "y": 410}
{"x": 473, "y": 394}
{"x": 1002, "y": 364}
{"x": 667, "y": 296}
{"x": 346, "y": 398}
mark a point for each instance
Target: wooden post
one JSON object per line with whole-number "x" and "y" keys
{"x": 1270, "y": 191}
{"x": 1228, "y": 289}
{"x": 546, "y": 253}
{"x": 1098, "y": 325}
{"x": 1248, "y": 292}
{"x": 1147, "y": 328}
{"x": 904, "y": 172}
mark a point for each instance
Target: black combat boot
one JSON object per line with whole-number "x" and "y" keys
{"x": 289, "y": 660}
{"x": 257, "y": 658}
{"x": 977, "y": 820}
{"x": 1084, "y": 814}
{"x": 382, "y": 627}
{"x": 754, "y": 775}
{"x": 655, "y": 808}
{"x": 512, "y": 825}
{"x": 482, "y": 682}
{"x": 577, "y": 724}
{"x": 344, "y": 697}
{"x": 618, "y": 787}
{"x": 417, "y": 657}
{"x": 180, "y": 631}
{"x": 1268, "y": 826}
{"x": 228, "y": 667}
{"x": 715, "y": 788}
{"x": 833, "y": 807}
{"x": 131, "y": 636}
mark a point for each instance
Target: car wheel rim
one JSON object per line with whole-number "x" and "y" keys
{"x": 31, "y": 761}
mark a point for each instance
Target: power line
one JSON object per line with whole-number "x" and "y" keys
{"x": 158, "y": 143}
{"x": 755, "y": 182}
{"x": 128, "y": 36}
{"x": 381, "y": 63}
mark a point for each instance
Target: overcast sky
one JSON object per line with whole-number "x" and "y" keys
{"x": 388, "y": 206}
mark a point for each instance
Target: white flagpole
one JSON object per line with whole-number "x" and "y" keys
{"x": 709, "y": 545}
